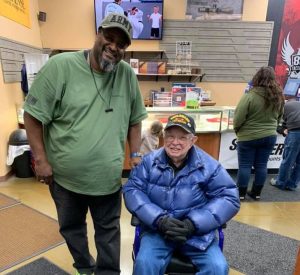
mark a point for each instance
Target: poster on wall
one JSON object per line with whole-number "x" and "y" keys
{"x": 287, "y": 66}
{"x": 214, "y": 9}
{"x": 17, "y": 11}
{"x": 34, "y": 62}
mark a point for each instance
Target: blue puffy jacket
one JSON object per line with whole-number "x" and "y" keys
{"x": 202, "y": 191}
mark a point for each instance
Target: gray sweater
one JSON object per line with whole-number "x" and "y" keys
{"x": 291, "y": 115}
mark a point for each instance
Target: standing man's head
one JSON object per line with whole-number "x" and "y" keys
{"x": 113, "y": 38}
{"x": 179, "y": 137}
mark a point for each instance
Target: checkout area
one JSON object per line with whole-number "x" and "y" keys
{"x": 214, "y": 128}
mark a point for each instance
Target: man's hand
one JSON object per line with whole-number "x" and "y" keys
{"x": 189, "y": 226}
{"x": 165, "y": 223}
{"x": 174, "y": 229}
{"x": 135, "y": 161}
{"x": 43, "y": 172}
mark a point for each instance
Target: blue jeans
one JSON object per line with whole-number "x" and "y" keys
{"x": 289, "y": 170}
{"x": 254, "y": 153}
{"x": 105, "y": 210}
{"x": 155, "y": 253}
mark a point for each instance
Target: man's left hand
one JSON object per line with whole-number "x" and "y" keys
{"x": 180, "y": 234}
{"x": 135, "y": 161}
{"x": 189, "y": 226}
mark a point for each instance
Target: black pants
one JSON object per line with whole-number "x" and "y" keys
{"x": 105, "y": 211}
{"x": 155, "y": 32}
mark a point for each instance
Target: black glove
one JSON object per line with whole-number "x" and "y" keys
{"x": 165, "y": 223}
{"x": 181, "y": 234}
{"x": 188, "y": 224}
{"x": 173, "y": 229}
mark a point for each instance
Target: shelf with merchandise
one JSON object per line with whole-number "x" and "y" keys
{"x": 190, "y": 77}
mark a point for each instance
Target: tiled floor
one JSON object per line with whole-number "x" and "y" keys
{"x": 282, "y": 218}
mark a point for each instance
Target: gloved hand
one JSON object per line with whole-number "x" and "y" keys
{"x": 174, "y": 229}
{"x": 189, "y": 226}
{"x": 181, "y": 234}
{"x": 165, "y": 223}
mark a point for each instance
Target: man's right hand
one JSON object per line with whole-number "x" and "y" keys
{"x": 43, "y": 171}
{"x": 172, "y": 229}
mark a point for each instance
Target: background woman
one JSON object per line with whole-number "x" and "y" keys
{"x": 256, "y": 118}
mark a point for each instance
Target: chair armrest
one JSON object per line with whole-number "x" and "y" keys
{"x": 135, "y": 221}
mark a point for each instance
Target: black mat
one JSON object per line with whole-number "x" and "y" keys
{"x": 271, "y": 193}
{"x": 254, "y": 251}
{"x": 40, "y": 266}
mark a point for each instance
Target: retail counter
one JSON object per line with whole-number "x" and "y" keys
{"x": 210, "y": 123}
{"x": 214, "y": 128}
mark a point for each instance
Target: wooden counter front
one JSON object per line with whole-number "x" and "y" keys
{"x": 209, "y": 142}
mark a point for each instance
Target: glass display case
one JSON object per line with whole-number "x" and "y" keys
{"x": 211, "y": 122}
{"x": 207, "y": 119}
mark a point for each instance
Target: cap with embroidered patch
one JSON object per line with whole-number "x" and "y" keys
{"x": 184, "y": 121}
{"x": 114, "y": 20}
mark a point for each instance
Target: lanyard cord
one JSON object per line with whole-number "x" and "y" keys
{"x": 108, "y": 109}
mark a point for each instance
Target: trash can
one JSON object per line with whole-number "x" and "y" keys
{"x": 19, "y": 156}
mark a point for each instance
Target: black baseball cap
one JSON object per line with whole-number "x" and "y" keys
{"x": 182, "y": 120}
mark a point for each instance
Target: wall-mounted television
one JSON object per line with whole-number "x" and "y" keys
{"x": 145, "y": 16}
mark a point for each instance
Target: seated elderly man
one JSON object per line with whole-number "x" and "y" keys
{"x": 181, "y": 195}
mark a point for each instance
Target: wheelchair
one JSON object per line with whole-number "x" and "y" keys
{"x": 179, "y": 264}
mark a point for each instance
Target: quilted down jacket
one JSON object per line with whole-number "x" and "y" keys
{"x": 202, "y": 191}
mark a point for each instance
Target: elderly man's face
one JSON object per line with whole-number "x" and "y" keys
{"x": 109, "y": 48}
{"x": 177, "y": 143}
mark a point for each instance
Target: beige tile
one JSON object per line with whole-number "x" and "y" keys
{"x": 280, "y": 218}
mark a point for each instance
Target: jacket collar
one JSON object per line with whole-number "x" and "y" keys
{"x": 194, "y": 160}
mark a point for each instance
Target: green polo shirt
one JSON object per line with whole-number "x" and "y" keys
{"x": 85, "y": 144}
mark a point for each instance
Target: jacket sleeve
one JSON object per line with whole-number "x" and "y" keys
{"x": 223, "y": 203}
{"x": 241, "y": 112}
{"x": 136, "y": 198}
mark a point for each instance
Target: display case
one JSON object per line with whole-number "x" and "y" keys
{"x": 210, "y": 123}
{"x": 207, "y": 119}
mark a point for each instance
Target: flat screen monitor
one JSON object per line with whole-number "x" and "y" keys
{"x": 292, "y": 87}
{"x": 145, "y": 16}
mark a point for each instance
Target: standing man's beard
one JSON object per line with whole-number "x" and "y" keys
{"x": 106, "y": 65}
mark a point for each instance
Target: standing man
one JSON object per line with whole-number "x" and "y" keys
{"x": 181, "y": 195}
{"x": 289, "y": 170}
{"x": 156, "y": 19}
{"x": 79, "y": 112}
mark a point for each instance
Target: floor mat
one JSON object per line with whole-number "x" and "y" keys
{"x": 25, "y": 233}
{"x": 39, "y": 267}
{"x": 270, "y": 193}
{"x": 6, "y": 201}
{"x": 254, "y": 251}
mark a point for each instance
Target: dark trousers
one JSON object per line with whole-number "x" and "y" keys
{"x": 105, "y": 210}
{"x": 254, "y": 153}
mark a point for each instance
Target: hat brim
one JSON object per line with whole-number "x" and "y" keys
{"x": 169, "y": 125}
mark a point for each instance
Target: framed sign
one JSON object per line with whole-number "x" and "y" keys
{"x": 214, "y": 9}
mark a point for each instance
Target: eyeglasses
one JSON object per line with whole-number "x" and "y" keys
{"x": 181, "y": 139}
